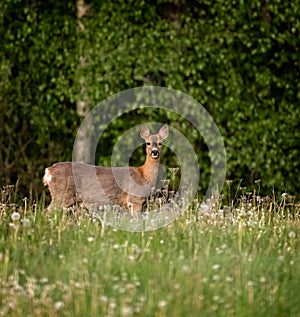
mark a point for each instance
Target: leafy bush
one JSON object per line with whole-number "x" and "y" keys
{"x": 241, "y": 61}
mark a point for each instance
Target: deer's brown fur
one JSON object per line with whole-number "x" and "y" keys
{"x": 94, "y": 186}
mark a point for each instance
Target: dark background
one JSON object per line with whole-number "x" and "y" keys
{"x": 239, "y": 59}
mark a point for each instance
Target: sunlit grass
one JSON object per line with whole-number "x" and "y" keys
{"x": 238, "y": 259}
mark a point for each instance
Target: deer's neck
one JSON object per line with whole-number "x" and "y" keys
{"x": 149, "y": 171}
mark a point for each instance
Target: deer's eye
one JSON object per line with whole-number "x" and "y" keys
{"x": 159, "y": 143}
{"x": 148, "y": 143}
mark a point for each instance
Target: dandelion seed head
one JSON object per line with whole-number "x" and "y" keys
{"x": 112, "y": 304}
{"x": 229, "y": 279}
{"x": 262, "y": 279}
{"x": 216, "y": 298}
{"x": 281, "y": 258}
{"x": 201, "y": 297}
{"x": 181, "y": 257}
{"x": 162, "y": 304}
{"x": 122, "y": 290}
{"x": 216, "y": 267}
{"x": 90, "y": 239}
{"x": 26, "y": 222}
{"x": 126, "y": 311}
{"x": 216, "y": 278}
{"x": 292, "y": 234}
{"x": 103, "y": 298}
{"x": 250, "y": 284}
{"x": 204, "y": 207}
{"x": 85, "y": 260}
{"x": 185, "y": 268}
{"x": 44, "y": 280}
{"x": 15, "y": 216}
{"x": 59, "y": 305}
{"x": 13, "y": 226}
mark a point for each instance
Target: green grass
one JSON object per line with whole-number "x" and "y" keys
{"x": 239, "y": 261}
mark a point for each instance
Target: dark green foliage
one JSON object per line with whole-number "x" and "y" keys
{"x": 37, "y": 89}
{"x": 238, "y": 59}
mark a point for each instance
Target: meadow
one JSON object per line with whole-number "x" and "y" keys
{"x": 222, "y": 258}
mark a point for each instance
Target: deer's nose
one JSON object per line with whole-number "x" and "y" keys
{"x": 154, "y": 153}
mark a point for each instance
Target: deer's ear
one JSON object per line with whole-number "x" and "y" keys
{"x": 164, "y": 131}
{"x": 144, "y": 131}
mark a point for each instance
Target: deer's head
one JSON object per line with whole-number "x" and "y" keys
{"x": 154, "y": 141}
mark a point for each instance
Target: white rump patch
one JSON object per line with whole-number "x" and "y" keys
{"x": 47, "y": 176}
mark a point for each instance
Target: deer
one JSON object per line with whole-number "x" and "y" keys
{"x": 93, "y": 186}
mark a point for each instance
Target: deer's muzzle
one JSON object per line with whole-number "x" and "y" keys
{"x": 154, "y": 153}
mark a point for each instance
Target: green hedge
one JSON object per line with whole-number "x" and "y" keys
{"x": 240, "y": 60}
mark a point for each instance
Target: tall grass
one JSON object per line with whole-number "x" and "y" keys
{"x": 236, "y": 260}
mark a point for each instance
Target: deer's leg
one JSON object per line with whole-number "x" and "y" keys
{"x": 135, "y": 204}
